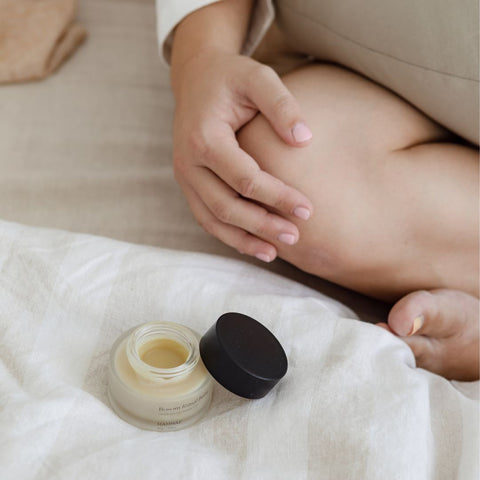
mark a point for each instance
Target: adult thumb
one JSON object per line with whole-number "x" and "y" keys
{"x": 279, "y": 106}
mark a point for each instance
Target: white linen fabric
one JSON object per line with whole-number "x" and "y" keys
{"x": 171, "y": 12}
{"x": 352, "y": 405}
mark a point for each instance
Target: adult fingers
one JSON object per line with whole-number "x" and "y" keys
{"x": 230, "y": 208}
{"x": 231, "y": 235}
{"x": 240, "y": 171}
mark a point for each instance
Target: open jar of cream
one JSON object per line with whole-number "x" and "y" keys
{"x": 160, "y": 373}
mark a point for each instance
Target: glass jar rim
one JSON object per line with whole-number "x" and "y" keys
{"x": 162, "y": 329}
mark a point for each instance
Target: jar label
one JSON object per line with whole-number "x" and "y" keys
{"x": 171, "y": 415}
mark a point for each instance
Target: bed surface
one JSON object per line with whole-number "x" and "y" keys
{"x": 87, "y": 152}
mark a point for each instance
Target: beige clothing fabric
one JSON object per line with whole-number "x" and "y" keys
{"x": 426, "y": 52}
{"x": 36, "y": 37}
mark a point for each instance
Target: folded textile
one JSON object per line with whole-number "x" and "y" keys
{"x": 36, "y": 36}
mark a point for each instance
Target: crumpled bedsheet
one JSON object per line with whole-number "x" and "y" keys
{"x": 352, "y": 405}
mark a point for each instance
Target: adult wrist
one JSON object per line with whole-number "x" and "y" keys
{"x": 219, "y": 27}
{"x": 179, "y": 64}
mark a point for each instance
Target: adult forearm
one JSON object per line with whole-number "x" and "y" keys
{"x": 221, "y": 25}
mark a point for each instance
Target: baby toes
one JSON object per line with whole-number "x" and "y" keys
{"x": 441, "y": 327}
{"x": 407, "y": 316}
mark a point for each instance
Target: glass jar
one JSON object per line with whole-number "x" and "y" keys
{"x": 157, "y": 379}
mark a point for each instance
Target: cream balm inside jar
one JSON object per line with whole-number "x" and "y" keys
{"x": 160, "y": 373}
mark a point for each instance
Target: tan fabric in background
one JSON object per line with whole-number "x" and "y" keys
{"x": 36, "y": 36}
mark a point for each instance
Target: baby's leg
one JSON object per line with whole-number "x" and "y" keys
{"x": 396, "y": 209}
{"x": 396, "y": 204}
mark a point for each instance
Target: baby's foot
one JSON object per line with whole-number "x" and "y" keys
{"x": 442, "y": 329}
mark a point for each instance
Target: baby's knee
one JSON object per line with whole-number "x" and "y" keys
{"x": 331, "y": 241}
{"x": 348, "y": 170}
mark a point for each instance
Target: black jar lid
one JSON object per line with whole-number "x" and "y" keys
{"x": 243, "y": 355}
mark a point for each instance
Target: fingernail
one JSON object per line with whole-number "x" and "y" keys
{"x": 263, "y": 257}
{"x": 417, "y": 324}
{"x": 287, "y": 238}
{"x": 302, "y": 212}
{"x": 301, "y": 133}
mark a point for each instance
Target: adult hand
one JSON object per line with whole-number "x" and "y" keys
{"x": 216, "y": 94}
